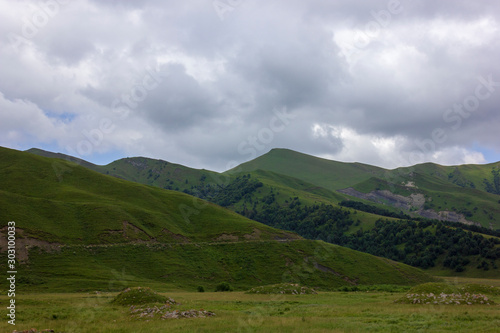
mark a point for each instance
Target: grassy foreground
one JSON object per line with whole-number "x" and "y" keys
{"x": 240, "y": 312}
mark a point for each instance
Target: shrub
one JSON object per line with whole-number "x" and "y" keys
{"x": 200, "y": 289}
{"x": 224, "y": 286}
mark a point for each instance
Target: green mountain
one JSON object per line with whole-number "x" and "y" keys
{"x": 344, "y": 203}
{"x": 328, "y": 174}
{"x": 77, "y": 229}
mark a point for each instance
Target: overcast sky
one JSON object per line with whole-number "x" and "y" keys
{"x": 211, "y": 83}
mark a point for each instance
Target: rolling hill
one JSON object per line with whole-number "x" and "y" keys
{"x": 81, "y": 230}
{"x": 308, "y": 195}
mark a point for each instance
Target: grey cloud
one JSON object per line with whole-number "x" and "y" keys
{"x": 259, "y": 58}
{"x": 179, "y": 101}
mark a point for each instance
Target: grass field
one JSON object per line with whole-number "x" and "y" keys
{"x": 240, "y": 312}
{"x": 186, "y": 266}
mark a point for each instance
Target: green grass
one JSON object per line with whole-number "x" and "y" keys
{"x": 243, "y": 265}
{"x": 240, "y": 312}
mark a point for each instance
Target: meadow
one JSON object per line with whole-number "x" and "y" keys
{"x": 360, "y": 311}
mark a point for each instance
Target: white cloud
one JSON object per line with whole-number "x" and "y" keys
{"x": 23, "y": 120}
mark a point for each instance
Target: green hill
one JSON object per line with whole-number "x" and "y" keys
{"x": 329, "y": 174}
{"x": 80, "y": 230}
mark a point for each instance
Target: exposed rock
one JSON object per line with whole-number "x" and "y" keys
{"x": 164, "y": 312}
{"x": 24, "y": 244}
{"x": 415, "y": 202}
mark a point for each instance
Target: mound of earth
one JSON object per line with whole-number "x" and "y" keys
{"x": 445, "y": 294}
{"x": 282, "y": 288}
{"x": 140, "y": 295}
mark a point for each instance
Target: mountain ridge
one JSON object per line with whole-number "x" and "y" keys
{"x": 332, "y": 178}
{"x": 79, "y": 227}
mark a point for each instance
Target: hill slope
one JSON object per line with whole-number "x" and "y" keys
{"x": 291, "y": 203}
{"x": 72, "y": 204}
{"x": 78, "y": 229}
{"x": 329, "y": 174}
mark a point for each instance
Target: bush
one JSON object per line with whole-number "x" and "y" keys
{"x": 200, "y": 289}
{"x": 224, "y": 286}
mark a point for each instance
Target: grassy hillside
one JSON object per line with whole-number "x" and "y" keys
{"x": 186, "y": 266}
{"x": 64, "y": 202}
{"x": 81, "y": 230}
{"x": 329, "y": 174}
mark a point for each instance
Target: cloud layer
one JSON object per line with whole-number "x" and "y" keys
{"x": 213, "y": 83}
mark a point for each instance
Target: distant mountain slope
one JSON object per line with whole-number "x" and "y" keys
{"x": 329, "y": 174}
{"x": 465, "y": 176}
{"x": 429, "y": 191}
{"x": 77, "y": 228}
{"x": 146, "y": 171}
{"x": 69, "y": 158}
{"x": 465, "y": 193}
{"x": 159, "y": 173}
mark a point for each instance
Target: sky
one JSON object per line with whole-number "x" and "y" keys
{"x": 214, "y": 83}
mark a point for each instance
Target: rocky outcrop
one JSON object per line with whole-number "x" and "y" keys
{"x": 413, "y": 204}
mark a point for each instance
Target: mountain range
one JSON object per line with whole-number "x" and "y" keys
{"x": 68, "y": 206}
{"x": 79, "y": 229}
{"x": 466, "y": 193}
